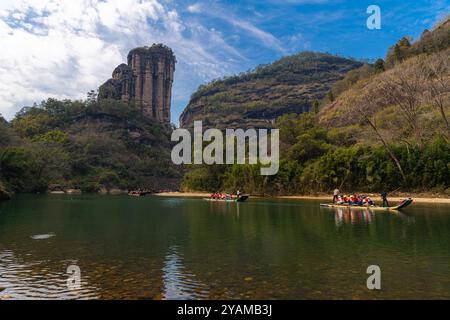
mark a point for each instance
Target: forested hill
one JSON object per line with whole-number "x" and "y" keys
{"x": 87, "y": 145}
{"x": 292, "y": 84}
{"x": 383, "y": 127}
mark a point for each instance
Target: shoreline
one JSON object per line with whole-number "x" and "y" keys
{"x": 396, "y": 198}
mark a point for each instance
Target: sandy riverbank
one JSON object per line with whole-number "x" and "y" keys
{"x": 417, "y": 198}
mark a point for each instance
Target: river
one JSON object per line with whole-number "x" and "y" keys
{"x": 185, "y": 248}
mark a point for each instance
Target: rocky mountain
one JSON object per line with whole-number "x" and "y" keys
{"x": 146, "y": 80}
{"x": 256, "y": 98}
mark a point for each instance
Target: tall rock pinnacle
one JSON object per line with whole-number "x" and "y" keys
{"x": 147, "y": 79}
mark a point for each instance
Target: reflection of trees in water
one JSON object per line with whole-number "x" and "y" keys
{"x": 179, "y": 283}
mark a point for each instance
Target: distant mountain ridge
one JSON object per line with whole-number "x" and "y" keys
{"x": 256, "y": 98}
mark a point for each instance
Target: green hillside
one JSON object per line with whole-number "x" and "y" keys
{"x": 85, "y": 145}
{"x": 256, "y": 98}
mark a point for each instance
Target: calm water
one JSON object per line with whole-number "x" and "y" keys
{"x": 174, "y": 248}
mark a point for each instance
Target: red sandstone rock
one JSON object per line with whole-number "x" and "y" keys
{"x": 147, "y": 79}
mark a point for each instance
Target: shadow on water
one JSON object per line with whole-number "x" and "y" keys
{"x": 173, "y": 248}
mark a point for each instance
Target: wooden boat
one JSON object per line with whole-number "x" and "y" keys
{"x": 401, "y": 205}
{"x": 240, "y": 199}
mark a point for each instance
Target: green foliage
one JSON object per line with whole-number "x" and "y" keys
{"x": 17, "y": 169}
{"x": 319, "y": 160}
{"x": 85, "y": 144}
{"x": 204, "y": 178}
{"x": 52, "y": 136}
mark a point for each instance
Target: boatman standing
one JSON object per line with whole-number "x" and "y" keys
{"x": 335, "y": 194}
{"x": 385, "y": 201}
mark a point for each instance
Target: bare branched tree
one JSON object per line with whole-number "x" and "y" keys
{"x": 437, "y": 73}
{"x": 366, "y": 107}
{"x": 404, "y": 88}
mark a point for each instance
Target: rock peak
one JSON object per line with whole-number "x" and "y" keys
{"x": 146, "y": 79}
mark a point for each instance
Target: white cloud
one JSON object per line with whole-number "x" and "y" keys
{"x": 195, "y": 8}
{"x": 64, "y": 49}
{"x": 267, "y": 38}
{"x": 250, "y": 29}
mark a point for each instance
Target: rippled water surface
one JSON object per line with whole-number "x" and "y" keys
{"x": 174, "y": 248}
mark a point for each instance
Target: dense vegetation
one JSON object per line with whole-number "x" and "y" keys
{"x": 85, "y": 145}
{"x": 384, "y": 126}
{"x": 257, "y": 97}
{"x": 315, "y": 159}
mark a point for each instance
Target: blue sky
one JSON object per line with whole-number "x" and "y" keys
{"x": 64, "y": 48}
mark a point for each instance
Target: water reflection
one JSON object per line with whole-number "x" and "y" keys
{"x": 347, "y": 216}
{"x": 37, "y": 280}
{"x": 408, "y": 219}
{"x": 179, "y": 283}
{"x": 153, "y": 248}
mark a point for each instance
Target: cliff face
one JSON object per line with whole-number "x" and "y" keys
{"x": 146, "y": 79}
{"x": 257, "y": 98}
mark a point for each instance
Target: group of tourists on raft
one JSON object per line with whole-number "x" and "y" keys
{"x": 357, "y": 200}
{"x": 224, "y": 196}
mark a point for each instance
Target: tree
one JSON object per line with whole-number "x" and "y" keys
{"x": 369, "y": 101}
{"x": 330, "y": 96}
{"x": 379, "y": 65}
{"x": 404, "y": 88}
{"x": 92, "y": 97}
{"x": 437, "y": 71}
{"x": 316, "y": 106}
